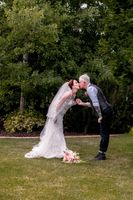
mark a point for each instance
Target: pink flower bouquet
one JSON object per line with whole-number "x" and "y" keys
{"x": 71, "y": 157}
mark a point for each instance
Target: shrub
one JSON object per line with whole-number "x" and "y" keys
{"x": 131, "y": 131}
{"x": 26, "y": 122}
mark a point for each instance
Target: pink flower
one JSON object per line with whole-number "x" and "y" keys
{"x": 71, "y": 157}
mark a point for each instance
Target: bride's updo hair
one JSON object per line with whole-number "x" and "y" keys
{"x": 70, "y": 83}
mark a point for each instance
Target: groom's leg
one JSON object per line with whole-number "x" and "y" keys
{"x": 104, "y": 133}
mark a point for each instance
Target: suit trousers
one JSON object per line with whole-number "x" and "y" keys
{"x": 107, "y": 115}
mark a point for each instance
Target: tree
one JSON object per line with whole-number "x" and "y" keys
{"x": 115, "y": 47}
{"x": 25, "y": 22}
{"x": 44, "y": 43}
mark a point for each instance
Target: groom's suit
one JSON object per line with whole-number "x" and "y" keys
{"x": 102, "y": 109}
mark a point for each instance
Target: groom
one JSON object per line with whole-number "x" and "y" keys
{"x": 102, "y": 109}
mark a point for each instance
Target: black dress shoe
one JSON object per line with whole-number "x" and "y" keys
{"x": 100, "y": 156}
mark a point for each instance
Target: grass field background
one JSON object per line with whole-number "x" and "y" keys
{"x": 51, "y": 179}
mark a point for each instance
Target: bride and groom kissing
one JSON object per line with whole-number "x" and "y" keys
{"x": 52, "y": 142}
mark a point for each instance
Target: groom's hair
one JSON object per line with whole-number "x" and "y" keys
{"x": 84, "y": 78}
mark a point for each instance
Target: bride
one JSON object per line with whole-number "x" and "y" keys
{"x": 52, "y": 142}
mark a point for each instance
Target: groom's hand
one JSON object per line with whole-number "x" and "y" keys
{"x": 100, "y": 119}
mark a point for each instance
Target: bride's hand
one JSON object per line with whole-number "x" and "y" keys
{"x": 78, "y": 101}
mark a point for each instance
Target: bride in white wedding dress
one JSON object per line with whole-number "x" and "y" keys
{"x": 52, "y": 142}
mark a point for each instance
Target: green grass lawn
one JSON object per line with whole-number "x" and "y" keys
{"x": 51, "y": 179}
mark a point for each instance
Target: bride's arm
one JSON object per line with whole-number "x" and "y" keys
{"x": 63, "y": 99}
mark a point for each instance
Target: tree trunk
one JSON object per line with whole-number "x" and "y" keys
{"x": 21, "y": 108}
{"x": 22, "y": 100}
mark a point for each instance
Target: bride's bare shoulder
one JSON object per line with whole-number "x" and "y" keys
{"x": 67, "y": 94}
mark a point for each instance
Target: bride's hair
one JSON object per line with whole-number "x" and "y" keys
{"x": 70, "y": 83}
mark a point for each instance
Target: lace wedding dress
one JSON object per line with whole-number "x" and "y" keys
{"x": 52, "y": 142}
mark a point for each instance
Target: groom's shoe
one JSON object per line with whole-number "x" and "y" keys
{"x": 100, "y": 156}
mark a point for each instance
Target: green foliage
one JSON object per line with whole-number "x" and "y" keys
{"x": 116, "y": 44}
{"x": 27, "y": 21}
{"x": 123, "y": 108}
{"x": 80, "y": 120}
{"x": 45, "y": 43}
{"x": 26, "y": 122}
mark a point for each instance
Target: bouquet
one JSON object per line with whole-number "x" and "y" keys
{"x": 71, "y": 157}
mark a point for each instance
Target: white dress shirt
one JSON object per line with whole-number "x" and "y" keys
{"x": 92, "y": 92}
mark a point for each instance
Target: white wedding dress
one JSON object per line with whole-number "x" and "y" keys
{"x": 52, "y": 142}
